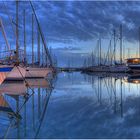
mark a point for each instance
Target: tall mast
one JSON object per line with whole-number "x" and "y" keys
{"x": 24, "y": 22}
{"x": 110, "y": 54}
{"x": 4, "y": 34}
{"x": 123, "y": 51}
{"x": 139, "y": 42}
{"x": 92, "y": 58}
{"x": 98, "y": 43}
{"x": 17, "y": 33}
{"x": 114, "y": 33}
{"x": 100, "y": 50}
{"x": 38, "y": 47}
{"x": 120, "y": 44}
{"x": 42, "y": 36}
{"x": 32, "y": 39}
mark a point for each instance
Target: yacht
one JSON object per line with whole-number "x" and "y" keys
{"x": 133, "y": 64}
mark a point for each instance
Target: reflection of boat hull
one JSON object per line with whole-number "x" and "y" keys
{"x": 19, "y": 87}
{"x": 39, "y": 82}
{"x": 4, "y": 105}
{"x": 13, "y": 88}
{"x": 135, "y": 78}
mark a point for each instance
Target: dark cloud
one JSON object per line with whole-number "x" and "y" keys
{"x": 80, "y": 20}
{"x": 74, "y": 21}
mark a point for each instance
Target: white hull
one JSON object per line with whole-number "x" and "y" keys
{"x": 17, "y": 73}
{"x": 37, "y": 72}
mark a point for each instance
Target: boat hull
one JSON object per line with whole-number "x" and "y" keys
{"x": 134, "y": 68}
{"x": 37, "y": 72}
{"x": 4, "y": 71}
{"x": 17, "y": 73}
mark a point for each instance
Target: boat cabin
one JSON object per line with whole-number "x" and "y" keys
{"x": 133, "y": 61}
{"x": 133, "y": 64}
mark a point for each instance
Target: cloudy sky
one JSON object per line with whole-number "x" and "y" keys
{"x": 72, "y": 28}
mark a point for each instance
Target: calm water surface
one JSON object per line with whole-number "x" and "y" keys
{"x": 73, "y": 105}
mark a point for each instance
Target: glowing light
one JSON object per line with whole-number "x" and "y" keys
{"x": 136, "y": 81}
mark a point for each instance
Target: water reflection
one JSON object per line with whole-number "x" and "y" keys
{"x": 79, "y": 106}
{"x": 22, "y": 104}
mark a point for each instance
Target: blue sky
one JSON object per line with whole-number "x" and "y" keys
{"x": 72, "y": 28}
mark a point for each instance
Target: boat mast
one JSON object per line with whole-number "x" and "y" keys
{"x": 100, "y": 50}
{"x": 17, "y": 33}
{"x": 24, "y": 21}
{"x": 98, "y": 43}
{"x": 121, "y": 44}
{"x": 42, "y": 36}
{"x": 139, "y": 41}
{"x": 92, "y": 58}
{"x": 114, "y": 33}
{"x": 38, "y": 47}
{"x": 4, "y": 34}
{"x": 32, "y": 39}
{"x": 123, "y": 50}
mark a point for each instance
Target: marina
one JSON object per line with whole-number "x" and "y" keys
{"x": 69, "y": 70}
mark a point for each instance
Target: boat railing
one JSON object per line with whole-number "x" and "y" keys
{"x": 11, "y": 55}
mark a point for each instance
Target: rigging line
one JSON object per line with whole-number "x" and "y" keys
{"x": 26, "y": 71}
{"x": 114, "y": 49}
{"x": 108, "y": 51}
{"x": 29, "y": 88}
{"x": 22, "y": 104}
{"x": 9, "y": 17}
{"x": 108, "y": 91}
{"x": 42, "y": 36}
{"x": 43, "y": 114}
{"x": 11, "y": 21}
{"x": 8, "y": 129}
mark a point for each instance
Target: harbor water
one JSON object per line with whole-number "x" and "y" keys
{"x": 71, "y": 105}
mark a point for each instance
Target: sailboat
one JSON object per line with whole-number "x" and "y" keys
{"x": 8, "y": 68}
{"x": 15, "y": 71}
{"x": 5, "y": 68}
